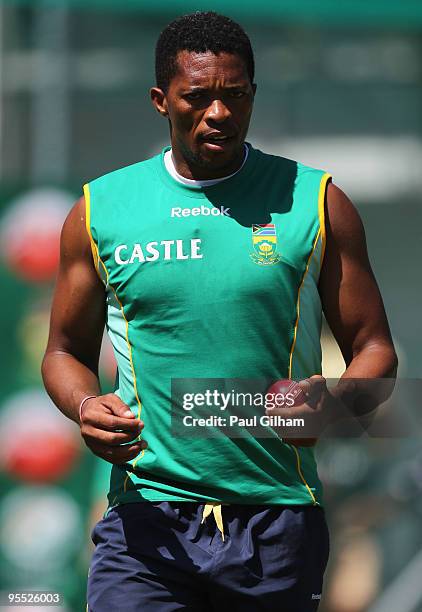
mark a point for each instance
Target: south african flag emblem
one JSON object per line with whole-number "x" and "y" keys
{"x": 264, "y": 242}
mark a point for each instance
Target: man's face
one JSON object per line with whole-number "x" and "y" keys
{"x": 209, "y": 104}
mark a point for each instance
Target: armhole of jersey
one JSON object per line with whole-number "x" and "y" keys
{"x": 94, "y": 248}
{"x": 321, "y": 212}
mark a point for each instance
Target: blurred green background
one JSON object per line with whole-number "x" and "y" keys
{"x": 339, "y": 88}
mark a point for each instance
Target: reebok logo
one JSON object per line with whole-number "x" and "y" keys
{"x": 178, "y": 211}
{"x": 316, "y": 596}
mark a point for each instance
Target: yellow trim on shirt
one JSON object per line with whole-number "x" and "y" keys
{"x": 94, "y": 248}
{"x": 320, "y": 234}
{"x": 299, "y": 469}
{"x": 321, "y": 212}
{"x": 97, "y": 261}
{"x": 298, "y": 302}
{"x": 135, "y": 382}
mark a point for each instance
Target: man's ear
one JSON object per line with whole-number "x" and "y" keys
{"x": 254, "y": 88}
{"x": 159, "y": 101}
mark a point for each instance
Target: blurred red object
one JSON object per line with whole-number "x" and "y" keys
{"x": 41, "y": 458}
{"x": 289, "y": 388}
{"x": 37, "y": 442}
{"x": 35, "y": 260}
{"x": 30, "y": 233}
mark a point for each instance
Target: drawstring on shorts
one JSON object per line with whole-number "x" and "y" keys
{"x": 215, "y": 509}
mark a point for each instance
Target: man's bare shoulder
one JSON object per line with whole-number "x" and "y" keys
{"x": 75, "y": 242}
{"x": 344, "y": 224}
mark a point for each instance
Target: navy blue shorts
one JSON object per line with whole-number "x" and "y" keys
{"x": 160, "y": 557}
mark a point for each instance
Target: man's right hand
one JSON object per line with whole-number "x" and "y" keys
{"x": 107, "y": 424}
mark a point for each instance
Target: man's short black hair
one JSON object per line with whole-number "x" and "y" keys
{"x": 200, "y": 32}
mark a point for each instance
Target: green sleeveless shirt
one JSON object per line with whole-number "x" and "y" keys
{"x": 215, "y": 282}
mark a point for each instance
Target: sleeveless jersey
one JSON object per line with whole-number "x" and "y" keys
{"x": 220, "y": 283}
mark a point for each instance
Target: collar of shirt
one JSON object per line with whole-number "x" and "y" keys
{"x": 171, "y": 169}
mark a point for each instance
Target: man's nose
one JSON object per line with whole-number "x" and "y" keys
{"x": 218, "y": 111}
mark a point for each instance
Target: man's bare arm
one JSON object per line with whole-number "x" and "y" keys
{"x": 70, "y": 365}
{"x": 355, "y": 312}
{"x": 351, "y": 300}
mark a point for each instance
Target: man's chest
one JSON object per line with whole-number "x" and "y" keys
{"x": 188, "y": 253}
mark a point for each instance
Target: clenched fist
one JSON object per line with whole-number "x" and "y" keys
{"x": 108, "y": 426}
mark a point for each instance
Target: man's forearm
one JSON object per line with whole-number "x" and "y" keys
{"x": 374, "y": 361}
{"x": 368, "y": 380}
{"x": 68, "y": 381}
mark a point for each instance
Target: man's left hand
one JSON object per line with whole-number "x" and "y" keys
{"x": 317, "y": 411}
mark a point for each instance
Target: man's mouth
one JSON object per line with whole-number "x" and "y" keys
{"x": 217, "y": 137}
{"x": 216, "y": 141}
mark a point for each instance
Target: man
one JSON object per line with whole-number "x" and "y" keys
{"x": 210, "y": 261}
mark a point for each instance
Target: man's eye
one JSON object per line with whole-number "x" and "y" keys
{"x": 194, "y": 95}
{"x": 237, "y": 94}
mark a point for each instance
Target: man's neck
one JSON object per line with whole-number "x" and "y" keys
{"x": 171, "y": 169}
{"x": 187, "y": 169}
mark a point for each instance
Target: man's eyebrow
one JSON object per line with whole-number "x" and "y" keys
{"x": 242, "y": 85}
{"x": 191, "y": 88}
{"x": 201, "y": 88}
